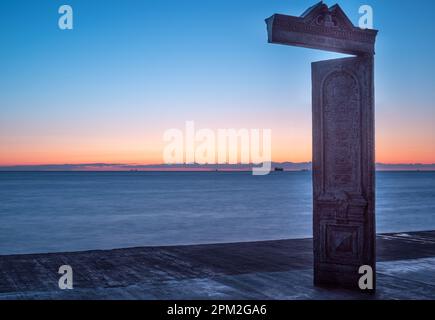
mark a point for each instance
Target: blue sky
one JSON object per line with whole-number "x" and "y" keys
{"x": 132, "y": 68}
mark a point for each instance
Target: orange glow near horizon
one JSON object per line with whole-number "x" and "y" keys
{"x": 399, "y": 139}
{"x": 296, "y": 148}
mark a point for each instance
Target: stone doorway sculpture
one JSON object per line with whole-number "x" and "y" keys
{"x": 343, "y": 140}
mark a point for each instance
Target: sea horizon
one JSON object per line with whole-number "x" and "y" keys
{"x": 56, "y": 211}
{"x": 194, "y": 167}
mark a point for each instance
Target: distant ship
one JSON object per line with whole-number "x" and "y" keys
{"x": 279, "y": 169}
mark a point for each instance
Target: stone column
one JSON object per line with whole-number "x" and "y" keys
{"x": 343, "y": 140}
{"x": 343, "y": 170}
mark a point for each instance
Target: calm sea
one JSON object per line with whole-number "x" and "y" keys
{"x": 69, "y": 211}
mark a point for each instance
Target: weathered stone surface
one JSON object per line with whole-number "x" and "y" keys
{"x": 343, "y": 169}
{"x": 322, "y": 28}
{"x": 343, "y": 140}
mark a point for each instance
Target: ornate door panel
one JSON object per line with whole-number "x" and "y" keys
{"x": 343, "y": 169}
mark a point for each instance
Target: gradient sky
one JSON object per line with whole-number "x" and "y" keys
{"x": 107, "y": 90}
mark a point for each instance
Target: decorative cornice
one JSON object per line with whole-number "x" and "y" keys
{"x": 322, "y": 28}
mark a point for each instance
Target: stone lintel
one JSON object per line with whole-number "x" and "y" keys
{"x": 322, "y": 28}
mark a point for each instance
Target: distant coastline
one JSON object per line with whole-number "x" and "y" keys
{"x": 286, "y": 166}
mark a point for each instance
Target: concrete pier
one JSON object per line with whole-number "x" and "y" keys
{"x": 280, "y": 269}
